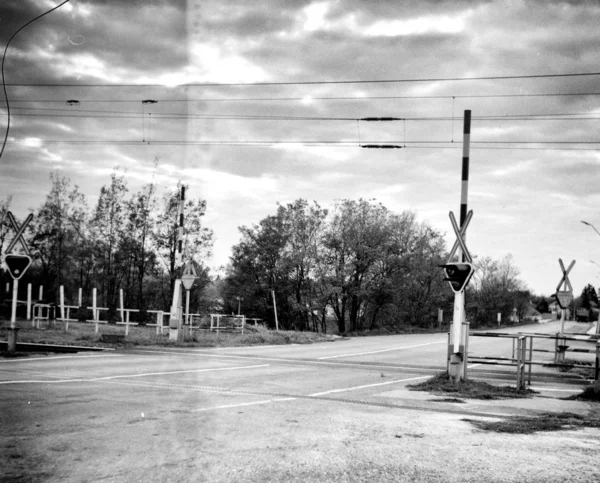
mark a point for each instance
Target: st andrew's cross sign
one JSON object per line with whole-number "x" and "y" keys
{"x": 18, "y": 264}
{"x": 564, "y": 296}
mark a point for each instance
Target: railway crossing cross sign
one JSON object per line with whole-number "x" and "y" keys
{"x": 565, "y": 296}
{"x": 18, "y": 264}
{"x": 460, "y": 234}
{"x": 459, "y": 273}
{"x": 19, "y": 236}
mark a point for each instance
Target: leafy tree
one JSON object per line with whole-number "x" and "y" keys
{"x": 353, "y": 244}
{"x": 495, "y": 287}
{"x": 418, "y": 280}
{"x": 588, "y": 295}
{"x": 4, "y": 229}
{"x": 541, "y": 304}
{"x": 55, "y": 227}
{"x": 108, "y": 222}
{"x": 279, "y": 254}
{"x": 140, "y": 224}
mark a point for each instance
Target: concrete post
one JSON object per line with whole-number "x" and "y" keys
{"x": 12, "y": 331}
{"x": 28, "y": 301}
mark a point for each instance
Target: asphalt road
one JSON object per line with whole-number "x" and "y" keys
{"x": 322, "y": 412}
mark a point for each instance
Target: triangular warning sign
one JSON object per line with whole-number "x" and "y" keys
{"x": 17, "y": 265}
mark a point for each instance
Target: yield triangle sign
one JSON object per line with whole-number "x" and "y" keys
{"x": 17, "y": 265}
{"x": 188, "y": 281}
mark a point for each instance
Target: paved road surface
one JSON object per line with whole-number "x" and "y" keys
{"x": 322, "y": 412}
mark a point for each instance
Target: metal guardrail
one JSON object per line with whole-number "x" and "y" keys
{"x": 522, "y": 352}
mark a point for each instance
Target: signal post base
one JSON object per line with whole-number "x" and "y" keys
{"x": 12, "y": 340}
{"x": 455, "y": 367}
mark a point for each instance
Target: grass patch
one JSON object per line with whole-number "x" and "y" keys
{"x": 580, "y": 366}
{"x": 440, "y": 384}
{"x": 543, "y": 422}
{"x": 448, "y": 400}
{"x": 14, "y": 354}
{"x": 590, "y": 393}
{"x": 83, "y": 334}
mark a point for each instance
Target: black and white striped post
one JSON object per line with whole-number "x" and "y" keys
{"x": 180, "y": 212}
{"x": 464, "y": 191}
{"x": 176, "y": 312}
{"x": 459, "y": 335}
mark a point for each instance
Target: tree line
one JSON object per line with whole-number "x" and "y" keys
{"x": 361, "y": 265}
{"x": 356, "y": 266}
{"x": 126, "y": 241}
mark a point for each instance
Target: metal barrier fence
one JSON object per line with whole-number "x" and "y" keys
{"x": 522, "y": 353}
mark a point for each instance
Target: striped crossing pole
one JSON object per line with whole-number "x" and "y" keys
{"x": 180, "y": 212}
{"x": 464, "y": 196}
{"x": 460, "y": 330}
{"x": 464, "y": 192}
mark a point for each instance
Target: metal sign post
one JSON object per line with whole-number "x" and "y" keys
{"x": 187, "y": 279}
{"x": 564, "y": 297}
{"x": 17, "y": 266}
{"x": 458, "y": 274}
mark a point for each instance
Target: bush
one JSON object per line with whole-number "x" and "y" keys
{"x": 83, "y": 314}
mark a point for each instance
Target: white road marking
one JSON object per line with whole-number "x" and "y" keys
{"x": 473, "y": 365}
{"x": 368, "y": 385}
{"x": 53, "y": 358}
{"x": 555, "y": 389}
{"x": 126, "y": 376}
{"x": 291, "y": 361}
{"x": 229, "y": 406}
{"x": 383, "y": 350}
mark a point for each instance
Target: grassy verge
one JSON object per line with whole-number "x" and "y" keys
{"x": 83, "y": 334}
{"x": 543, "y": 422}
{"x": 440, "y": 384}
{"x": 590, "y": 393}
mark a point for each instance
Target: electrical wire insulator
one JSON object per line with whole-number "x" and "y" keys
{"x": 381, "y": 119}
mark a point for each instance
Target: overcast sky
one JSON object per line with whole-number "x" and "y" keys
{"x": 534, "y": 167}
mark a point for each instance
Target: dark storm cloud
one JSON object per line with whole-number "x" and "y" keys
{"x": 145, "y": 38}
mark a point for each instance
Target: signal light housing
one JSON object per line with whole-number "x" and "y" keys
{"x": 458, "y": 274}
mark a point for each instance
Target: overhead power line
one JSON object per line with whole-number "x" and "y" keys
{"x": 319, "y": 82}
{"x": 112, "y": 114}
{"x": 311, "y": 98}
{"x": 302, "y": 142}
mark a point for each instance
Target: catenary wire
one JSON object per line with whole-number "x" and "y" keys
{"x": 320, "y": 82}
{"x": 315, "y": 98}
